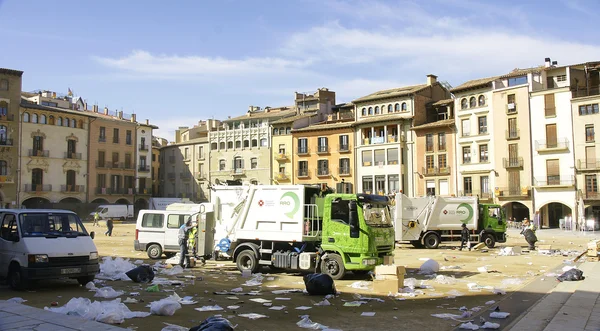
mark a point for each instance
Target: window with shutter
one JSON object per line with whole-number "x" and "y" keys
{"x": 552, "y": 172}
{"x": 551, "y": 140}
{"x": 514, "y": 182}
{"x": 549, "y": 107}
{"x": 590, "y": 157}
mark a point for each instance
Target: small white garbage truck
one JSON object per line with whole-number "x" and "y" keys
{"x": 428, "y": 221}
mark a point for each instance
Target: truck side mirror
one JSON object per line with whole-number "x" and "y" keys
{"x": 92, "y": 235}
{"x": 353, "y": 220}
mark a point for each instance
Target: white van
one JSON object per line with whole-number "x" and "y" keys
{"x": 115, "y": 212}
{"x": 40, "y": 244}
{"x": 156, "y": 231}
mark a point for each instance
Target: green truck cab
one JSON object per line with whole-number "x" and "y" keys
{"x": 492, "y": 222}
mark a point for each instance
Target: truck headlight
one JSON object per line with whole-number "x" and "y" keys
{"x": 93, "y": 255}
{"x": 369, "y": 261}
{"x": 38, "y": 258}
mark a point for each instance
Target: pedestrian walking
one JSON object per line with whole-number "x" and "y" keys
{"x": 96, "y": 218}
{"x": 109, "y": 225}
{"x": 465, "y": 237}
{"x": 183, "y": 234}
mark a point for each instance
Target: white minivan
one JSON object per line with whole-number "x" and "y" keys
{"x": 38, "y": 244}
{"x": 156, "y": 231}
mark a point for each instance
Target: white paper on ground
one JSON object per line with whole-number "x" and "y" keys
{"x": 277, "y": 308}
{"x": 253, "y": 316}
{"x": 499, "y": 314}
{"x": 368, "y": 313}
{"x": 209, "y": 308}
{"x": 303, "y": 308}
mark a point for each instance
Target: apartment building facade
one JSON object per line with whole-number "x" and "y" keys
{"x": 186, "y": 170}
{"x": 385, "y": 151}
{"x": 240, "y": 149}
{"x": 112, "y": 145}
{"x": 143, "y": 169}
{"x": 10, "y": 98}
{"x": 54, "y": 156}
{"x": 282, "y": 153}
{"x": 324, "y": 152}
{"x": 435, "y": 143}
{"x": 157, "y": 143}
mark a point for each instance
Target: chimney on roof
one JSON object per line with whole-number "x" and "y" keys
{"x": 95, "y": 108}
{"x": 250, "y": 108}
{"x": 147, "y": 122}
{"x": 133, "y": 118}
{"x": 120, "y": 115}
{"x": 554, "y": 63}
{"x": 547, "y": 62}
{"x": 85, "y": 105}
{"x": 431, "y": 79}
{"x": 105, "y": 110}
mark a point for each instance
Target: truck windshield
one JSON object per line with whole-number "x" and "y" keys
{"x": 100, "y": 210}
{"x": 494, "y": 212}
{"x": 377, "y": 215}
{"x": 51, "y": 225}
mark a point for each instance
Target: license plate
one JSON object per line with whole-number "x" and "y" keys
{"x": 70, "y": 271}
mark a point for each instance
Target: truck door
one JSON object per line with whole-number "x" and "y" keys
{"x": 8, "y": 234}
{"x": 336, "y": 228}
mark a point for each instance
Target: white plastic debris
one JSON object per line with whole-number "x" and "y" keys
{"x": 237, "y": 289}
{"x": 567, "y": 268}
{"x": 429, "y": 267}
{"x": 491, "y": 302}
{"x": 306, "y": 323}
{"x": 130, "y": 300}
{"x": 325, "y": 302}
{"x": 361, "y": 285}
{"x": 252, "y": 316}
{"x": 447, "y": 280}
{"x": 511, "y": 282}
{"x": 303, "y": 308}
{"x": 174, "y": 327}
{"x": 483, "y": 269}
{"x": 368, "y": 313}
{"x": 499, "y": 314}
{"x": 90, "y": 286}
{"x": 447, "y": 316}
{"x": 469, "y": 326}
{"x": 115, "y": 269}
{"x": 209, "y": 308}
{"x": 112, "y": 312}
{"x": 510, "y": 251}
{"x": 16, "y": 300}
{"x": 260, "y": 300}
{"x": 490, "y": 325}
{"x": 410, "y": 282}
{"x": 255, "y": 281}
{"x": 450, "y": 267}
{"x": 277, "y": 308}
{"x": 176, "y": 270}
{"x": 164, "y": 307}
{"x": 107, "y": 293}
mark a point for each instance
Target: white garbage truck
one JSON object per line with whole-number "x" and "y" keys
{"x": 428, "y": 221}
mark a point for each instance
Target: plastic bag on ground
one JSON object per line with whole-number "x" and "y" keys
{"x": 164, "y": 307}
{"x": 469, "y": 326}
{"x": 174, "y": 327}
{"x": 571, "y": 275}
{"x": 360, "y": 285}
{"x": 429, "y": 267}
{"x": 114, "y": 269}
{"x": 176, "y": 270}
{"x": 91, "y": 286}
{"x": 141, "y": 274}
{"x": 306, "y": 323}
{"x": 214, "y": 323}
{"x": 441, "y": 279}
{"x": 490, "y": 325}
{"x": 319, "y": 284}
{"x": 102, "y": 311}
{"x": 16, "y": 300}
{"x": 107, "y": 293}
{"x": 153, "y": 288}
{"x": 255, "y": 281}
{"x": 499, "y": 314}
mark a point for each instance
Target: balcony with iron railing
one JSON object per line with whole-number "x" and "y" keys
{"x": 201, "y": 175}
{"x": 102, "y": 139}
{"x": 303, "y": 173}
{"x": 554, "y": 181}
{"x": 591, "y": 195}
{"x": 144, "y": 191}
{"x": 344, "y": 171}
{"x": 7, "y": 118}
{"x": 436, "y": 171}
{"x": 7, "y": 179}
{"x": 73, "y": 155}
{"x": 144, "y": 168}
{"x": 127, "y": 165}
{"x": 559, "y": 144}
{"x": 512, "y": 162}
{"x": 281, "y": 157}
{"x": 72, "y": 188}
{"x": 588, "y": 164}
{"x": 513, "y": 134}
{"x": 512, "y": 192}
{"x": 473, "y": 193}
{"x": 39, "y": 153}
{"x": 303, "y": 151}
{"x": 343, "y": 148}
{"x": 38, "y": 188}
{"x": 323, "y": 172}
{"x": 6, "y": 142}
{"x": 143, "y": 147}
{"x": 238, "y": 172}
{"x": 323, "y": 149}
{"x": 579, "y": 93}
{"x": 282, "y": 176}
{"x": 511, "y": 108}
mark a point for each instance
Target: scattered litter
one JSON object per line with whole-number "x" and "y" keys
{"x": 130, "y": 300}
{"x": 478, "y": 246}
{"x": 141, "y": 274}
{"x": 454, "y": 293}
{"x": 237, "y": 289}
{"x": 164, "y": 307}
{"x": 482, "y": 269}
{"x": 209, "y": 308}
{"x": 567, "y": 268}
{"x": 255, "y": 281}
{"x": 499, "y": 314}
{"x": 450, "y": 267}
{"x": 216, "y": 323}
{"x": 410, "y": 282}
{"x": 114, "y": 269}
{"x": 354, "y": 303}
{"x": 490, "y": 325}
{"x": 319, "y": 284}
{"x": 469, "y": 326}
{"x": 286, "y": 291}
{"x": 491, "y": 302}
{"x": 511, "y": 282}
{"x": 510, "y": 251}
{"x": 233, "y": 307}
{"x": 278, "y": 298}
{"x": 110, "y": 312}
{"x": 306, "y": 323}
{"x": 325, "y": 302}
{"x": 448, "y": 316}
{"x": 360, "y": 285}
{"x": 16, "y": 300}
{"x": 91, "y": 286}
{"x": 260, "y": 300}
{"x": 174, "y": 327}
{"x": 429, "y": 267}
{"x": 277, "y": 308}
{"x": 447, "y": 280}
{"x": 361, "y": 298}
{"x": 107, "y": 293}
{"x": 303, "y": 308}
{"x": 571, "y": 275}
{"x": 176, "y": 270}
{"x": 368, "y": 313}
{"x": 153, "y": 288}
{"x": 252, "y": 316}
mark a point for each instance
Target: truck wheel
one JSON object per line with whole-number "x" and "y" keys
{"x": 246, "y": 260}
{"x": 416, "y": 243}
{"x": 333, "y": 266}
{"x": 431, "y": 240}
{"x": 489, "y": 240}
{"x": 85, "y": 279}
{"x": 154, "y": 251}
{"x": 16, "y": 280}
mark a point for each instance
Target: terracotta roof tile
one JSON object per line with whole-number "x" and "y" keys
{"x": 292, "y": 118}
{"x": 325, "y": 126}
{"x": 391, "y": 93}
{"x": 441, "y": 123}
{"x": 443, "y": 102}
{"x": 263, "y": 114}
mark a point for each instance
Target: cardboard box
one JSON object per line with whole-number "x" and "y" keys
{"x": 388, "y": 278}
{"x": 593, "y": 248}
{"x": 388, "y": 260}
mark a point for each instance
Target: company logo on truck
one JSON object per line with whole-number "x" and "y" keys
{"x": 294, "y": 203}
{"x": 462, "y": 209}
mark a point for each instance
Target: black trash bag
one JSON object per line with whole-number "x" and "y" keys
{"x": 214, "y": 323}
{"x": 530, "y": 237}
{"x": 319, "y": 284}
{"x": 571, "y": 275}
{"x": 141, "y": 274}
